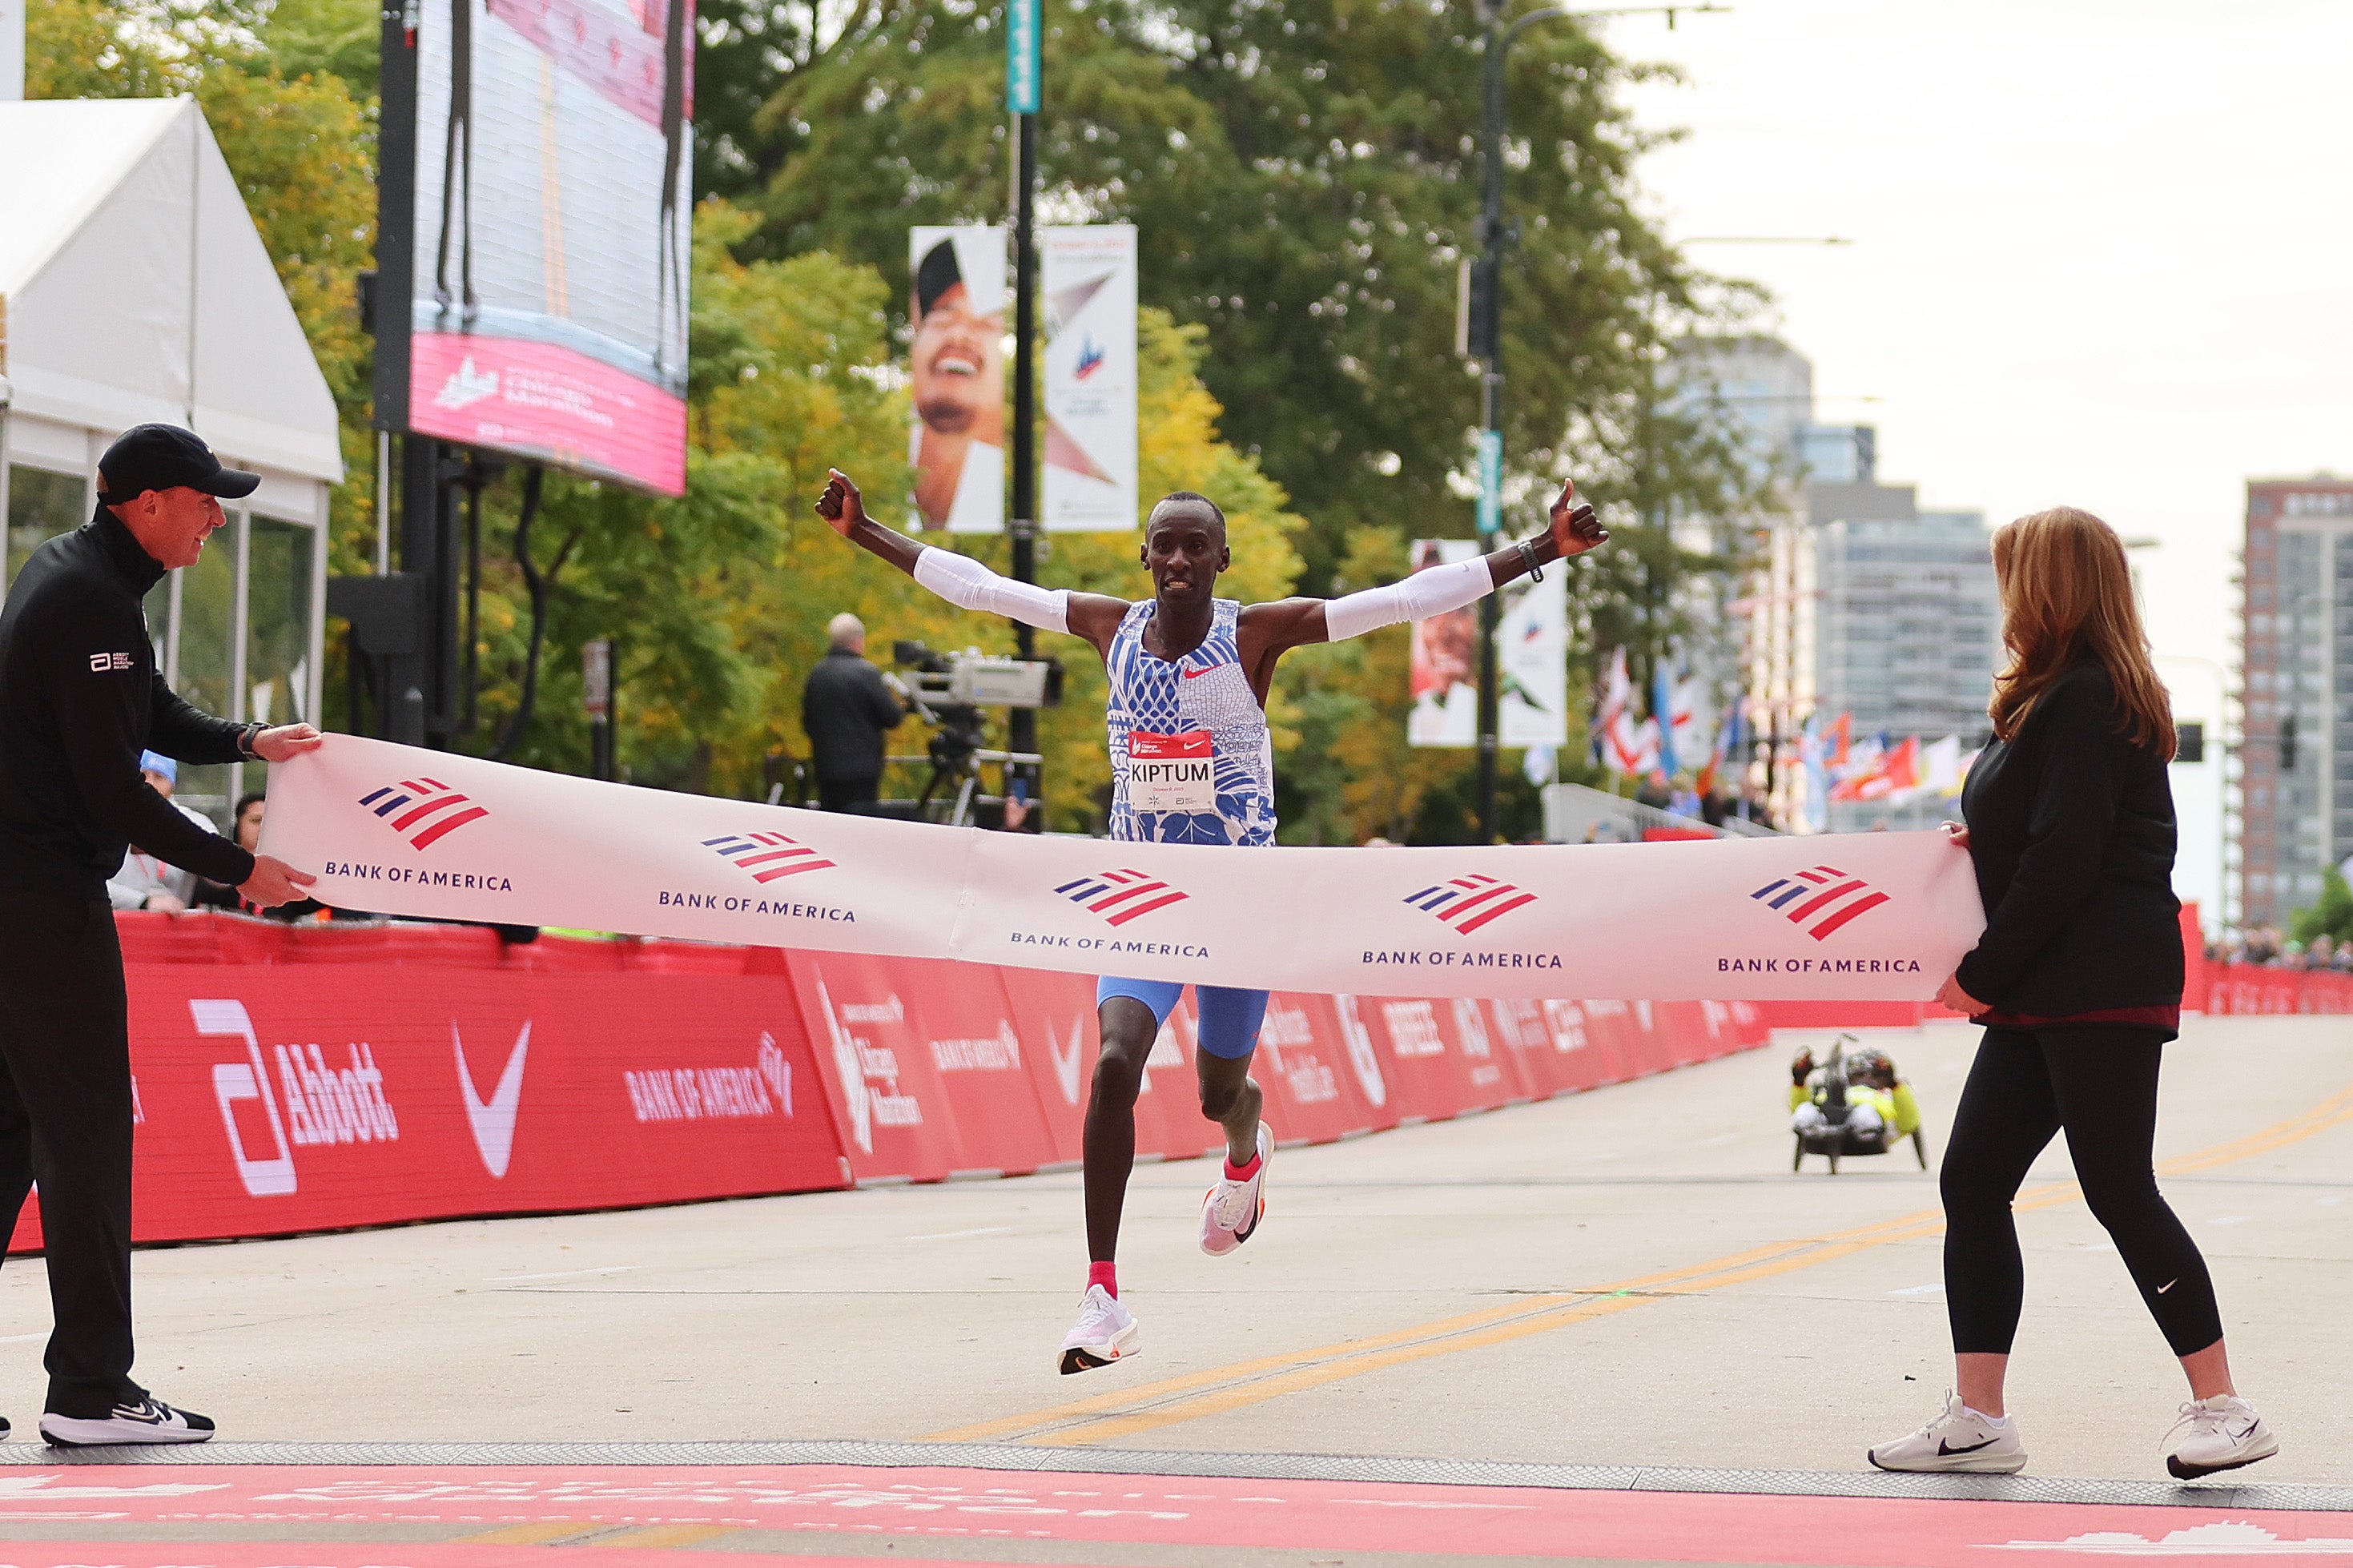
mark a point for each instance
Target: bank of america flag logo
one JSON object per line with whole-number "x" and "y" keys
{"x": 767, "y": 856}
{"x": 1820, "y": 900}
{"x": 429, "y": 809}
{"x": 1121, "y": 896}
{"x": 1466, "y": 903}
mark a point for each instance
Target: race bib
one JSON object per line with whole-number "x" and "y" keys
{"x": 1171, "y": 772}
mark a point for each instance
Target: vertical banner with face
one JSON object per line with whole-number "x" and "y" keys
{"x": 956, "y": 374}
{"x": 1532, "y": 662}
{"x": 547, "y": 305}
{"x": 1091, "y": 374}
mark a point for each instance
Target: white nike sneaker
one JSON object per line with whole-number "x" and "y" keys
{"x": 149, "y": 1420}
{"x": 1960, "y": 1441}
{"x": 1105, "y": 1332}
{"x": 2218, "y": 1433}
{"x": 1231, "y": 1210}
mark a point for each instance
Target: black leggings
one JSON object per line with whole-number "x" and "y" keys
{"x": 2099, "y": 1082}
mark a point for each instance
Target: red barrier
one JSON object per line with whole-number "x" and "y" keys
{"x": 927, "y": 1074}
{"x": 284, "y": 1087}
{"x": 2247, "y": 988}
{"x": 321, "y": 1077}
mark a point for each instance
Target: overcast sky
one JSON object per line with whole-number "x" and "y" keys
{"x": 2101, "y": 248}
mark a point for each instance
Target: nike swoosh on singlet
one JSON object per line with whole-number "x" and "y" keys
{"x": 1192, "y": 674}
{"x": 1946, "y": 1450}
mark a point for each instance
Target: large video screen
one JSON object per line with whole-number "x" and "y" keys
{"x": 548, "y": 300}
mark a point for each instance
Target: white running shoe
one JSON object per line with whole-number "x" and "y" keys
{"x": 1231, "y": 1210}
{"x": 1105, "y": 1332}
{"x": 2218, "y": 1433}
{"x": 1960, "y": 1441}
{"x": 149, "y": 1420}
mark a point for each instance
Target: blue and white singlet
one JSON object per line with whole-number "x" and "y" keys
{"x": 1191, "y": 762}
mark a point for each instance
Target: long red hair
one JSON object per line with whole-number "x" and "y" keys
{"x": 2067, "y": 594}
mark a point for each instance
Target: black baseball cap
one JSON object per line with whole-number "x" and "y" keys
{"x": 936, "y": 275}
{"x": 164, "y": 457}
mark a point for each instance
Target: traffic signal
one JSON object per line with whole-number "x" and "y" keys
{"x": 2288, "y": 744}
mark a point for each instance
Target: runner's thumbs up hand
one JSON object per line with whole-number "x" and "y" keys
{"x": 273, "y": 882}
{"x": 1575, "y": 528}
{"x": 841, "y": 505}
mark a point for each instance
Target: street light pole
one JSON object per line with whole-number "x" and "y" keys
{"x": 1024, "y": 65}
{"x": 1487, "y": 336}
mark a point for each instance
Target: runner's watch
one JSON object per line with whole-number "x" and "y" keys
{"x": 244, "y": 739}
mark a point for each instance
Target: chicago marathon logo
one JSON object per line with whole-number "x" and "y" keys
{"x": 1825, "y": 896}
{"x": 1120, "y": 895}
{"x": 766, "y": 856}
{"x": 434, "y": 811}
{"x": 1466, "y": 903}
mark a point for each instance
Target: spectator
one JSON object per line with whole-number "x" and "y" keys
{"x": 143, "y": 882}
{"x": 846, "y": 707}
{"x": 244, "y": 827}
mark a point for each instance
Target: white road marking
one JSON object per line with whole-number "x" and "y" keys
{"x": 1919, "y": 1290}
{"x": 568, "y": 1274}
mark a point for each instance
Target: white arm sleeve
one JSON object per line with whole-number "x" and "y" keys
{"x": 969, "y": 585}
{"x": 1417, "y": 597}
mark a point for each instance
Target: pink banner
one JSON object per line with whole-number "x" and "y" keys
{"x": 544, "y": 399}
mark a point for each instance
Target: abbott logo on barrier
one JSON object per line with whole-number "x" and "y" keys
{"x": 1826, "y": 891}
{"x": 427, "y": 800}
{"x": 324, "y": 1105}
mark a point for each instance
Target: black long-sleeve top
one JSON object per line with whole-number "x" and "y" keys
{"x": 2071, "y": 833}
{"x": 80, "y": 699}
{"x": 845, "y": 709}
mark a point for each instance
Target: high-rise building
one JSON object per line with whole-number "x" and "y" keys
{"x": 1862, "y": 603}
{"x": 2291, "y": 809}
{"x": 1909, "y": 627}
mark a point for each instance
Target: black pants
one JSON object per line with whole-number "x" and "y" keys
{"x": 2099, "y": 1082}
{"x": 848, "y": 794}
{"x": 65, "y": 1121}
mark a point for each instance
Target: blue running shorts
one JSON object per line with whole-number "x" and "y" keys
{"x": 1229, "y": 1018}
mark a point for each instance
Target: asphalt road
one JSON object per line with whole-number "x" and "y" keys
{"x": 1628, "y": 1276}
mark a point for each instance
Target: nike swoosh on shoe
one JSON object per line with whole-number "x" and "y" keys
{"x": 1945, "y": 1450}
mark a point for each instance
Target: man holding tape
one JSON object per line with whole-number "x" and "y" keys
{"x": 1191, "y": 763}
{"x": 81, "y": 699}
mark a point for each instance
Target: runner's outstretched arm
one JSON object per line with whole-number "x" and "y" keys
{"x": 964, "y": 582}
{"x": 1295, "y": 623}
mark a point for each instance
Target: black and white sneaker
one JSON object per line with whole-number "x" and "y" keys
{"x": 149, "y": 1420}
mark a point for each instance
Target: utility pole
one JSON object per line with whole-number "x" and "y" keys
{"x": 1024, "y": 65}
{"x": 1487, "y": 337}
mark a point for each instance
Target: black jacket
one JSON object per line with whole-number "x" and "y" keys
{"x": 2070, "y": 829}
{"x": 80, "y": 699}
{"x": 846, "y": 707}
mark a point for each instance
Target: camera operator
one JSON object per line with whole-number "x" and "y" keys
{"x": 846, "y": 707}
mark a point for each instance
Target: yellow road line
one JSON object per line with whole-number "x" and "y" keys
{"x": 539, "y": 1533}
{"x": 665, "y": 1535}
{"x": 1124, "y": 1412}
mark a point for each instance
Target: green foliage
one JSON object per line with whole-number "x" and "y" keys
{"x": 1304, "y": 173}
{"x": 2332, "y": 917}
{"x": 1304, "y": 176}
{"x": 298, "y": 137}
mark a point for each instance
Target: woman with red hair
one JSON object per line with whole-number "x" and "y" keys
{"x": 2078, "y": 982}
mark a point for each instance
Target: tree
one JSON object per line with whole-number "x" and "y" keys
{"x": 1304, "y": 176}
{"x": 299, "y": 138}
{"x": 719, "y": 599}
{"x": 2332, "y": 917}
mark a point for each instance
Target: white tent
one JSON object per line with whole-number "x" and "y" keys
{"x": 134, "y": 287}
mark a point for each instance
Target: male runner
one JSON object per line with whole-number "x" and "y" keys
{"x": 1185, "y": 665}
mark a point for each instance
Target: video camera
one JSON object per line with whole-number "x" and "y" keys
{"x": 973, "y": 679}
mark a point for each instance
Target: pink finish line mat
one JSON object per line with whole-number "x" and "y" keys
{"x": 429, "y": 1516}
